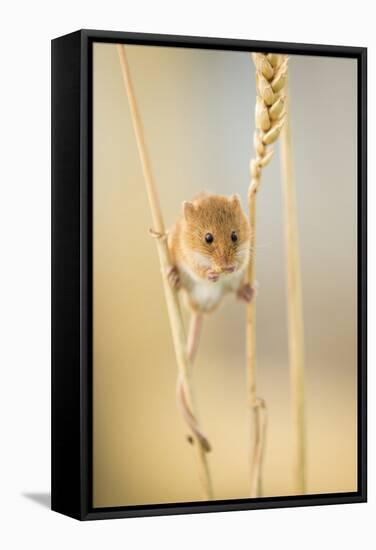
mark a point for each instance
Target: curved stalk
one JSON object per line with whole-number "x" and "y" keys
{"x": 172, "y": 301}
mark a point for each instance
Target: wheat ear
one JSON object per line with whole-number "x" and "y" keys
{"x": 172, "y": 301}
{"x": 295, "y": 312}
{"x": 271, "y": 74}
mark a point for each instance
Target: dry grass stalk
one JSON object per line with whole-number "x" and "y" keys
{"x": 295, "y": 312}
{"x": 271, "y": 74}
{"x": 172, "y": 301}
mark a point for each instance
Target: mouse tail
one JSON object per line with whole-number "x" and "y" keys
{"x": 190, "y": 419}
{"x": 194, "y": 334}
{"x": 193, "y": 340}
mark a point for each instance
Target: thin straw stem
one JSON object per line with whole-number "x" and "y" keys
{"x": 173, "y": 306}
{"x": 257, "y": 408}
{"x": 295, "y": 312}
{"x": 271, "y": 74}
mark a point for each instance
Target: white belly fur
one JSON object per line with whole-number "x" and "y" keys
{"x": 206, "y": 295}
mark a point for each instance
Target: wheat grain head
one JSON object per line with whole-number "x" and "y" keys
{"x": 270, "y": 112}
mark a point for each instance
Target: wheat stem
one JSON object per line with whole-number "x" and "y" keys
{"x": 295, "y": 312}
{"x": 271, "y": 72}
{"x": 172, "y": 301}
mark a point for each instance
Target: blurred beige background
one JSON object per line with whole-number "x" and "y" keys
{"x": 197, "y": 107}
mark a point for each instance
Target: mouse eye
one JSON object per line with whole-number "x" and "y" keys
{"x": 234, "y": 237}
{"x": 209, "y": 238}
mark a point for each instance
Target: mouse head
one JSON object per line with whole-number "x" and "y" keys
{"x": 216, "y": 236}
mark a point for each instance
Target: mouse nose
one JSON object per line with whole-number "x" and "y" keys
{"x": 228, "y": 268}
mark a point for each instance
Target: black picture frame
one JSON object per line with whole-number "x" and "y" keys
{"x": 72, "y": 273}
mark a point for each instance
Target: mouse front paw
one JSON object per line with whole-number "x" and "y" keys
{"x": 213, "y": 276}
{"x": 173, "y": 277}
{"x": 245, "y": 292}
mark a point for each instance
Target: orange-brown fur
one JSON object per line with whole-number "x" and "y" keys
{"x": 195, "y": 262}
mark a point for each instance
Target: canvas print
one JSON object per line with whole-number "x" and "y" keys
{"x": 224, "y": 275}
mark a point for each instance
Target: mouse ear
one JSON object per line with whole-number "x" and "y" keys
{"x": 235, "y": 199}
{"x": 188, "y": 210}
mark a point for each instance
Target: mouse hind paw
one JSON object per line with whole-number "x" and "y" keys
{"x": 245, "y": 292}
{"x": 173, "y": 277}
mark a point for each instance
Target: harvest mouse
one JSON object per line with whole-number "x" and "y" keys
{"x": 209, "y": 249}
